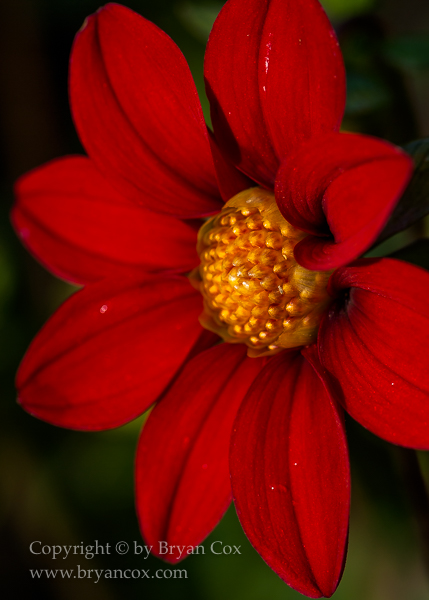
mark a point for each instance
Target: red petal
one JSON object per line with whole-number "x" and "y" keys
{"x": 345, "y": 185}
{"x": 290, "y": 475}
{"x": 275, "y": 77}
{"x": 138, "y": 115}
{"x": 182, "y": 474}
{"x": 109, "y": 351}
{"x": 80, "y": 228}
{"x": 230, "y": 180}
{"x": 231, "y": 73}
{"x": 375, "y": 345}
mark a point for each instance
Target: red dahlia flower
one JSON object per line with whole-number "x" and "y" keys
{"x": 312, "y": 331}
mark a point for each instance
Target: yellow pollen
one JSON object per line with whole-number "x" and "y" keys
{"x": 254, "y": 291}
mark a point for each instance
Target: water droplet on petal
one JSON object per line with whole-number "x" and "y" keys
{"x": 278, "y": 487}
{"x": 103, "y": 308}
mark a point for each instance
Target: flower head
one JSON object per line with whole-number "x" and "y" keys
{"x": 313, "y": 330}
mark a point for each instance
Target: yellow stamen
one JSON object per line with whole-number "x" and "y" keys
{"x": 254, "y": 291}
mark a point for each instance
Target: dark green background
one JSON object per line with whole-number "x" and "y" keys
{"x": 65, "y": 487}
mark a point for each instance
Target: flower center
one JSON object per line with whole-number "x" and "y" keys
{"x": 254, "y": 291}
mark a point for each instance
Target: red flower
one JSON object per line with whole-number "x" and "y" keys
{"x": 121, "y": 223}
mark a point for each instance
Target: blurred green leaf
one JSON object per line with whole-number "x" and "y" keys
{"x": 198, "y": 18}
{"x": 344, "y": 9}
{"x": 414, "y": 204}
{"x": 408, "y": 53}
{"x": 365, "y": 94}
{"x": 416, "y": 253}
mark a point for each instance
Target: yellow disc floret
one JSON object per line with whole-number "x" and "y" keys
{"x": 254, "y": 291}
